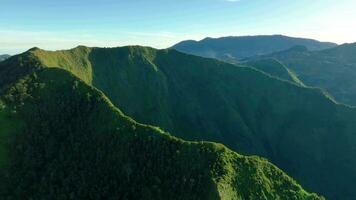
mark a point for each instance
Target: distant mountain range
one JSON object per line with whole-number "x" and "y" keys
{"x": 275, "y": 68}
{"x": 233, "y": 49}
{"x": 61, "y": 137}
{"x": 332, "y": 69}
{"x": 3, "y": 57}
{"x": 315, "y": 64}
{"x": 268, "y": 113}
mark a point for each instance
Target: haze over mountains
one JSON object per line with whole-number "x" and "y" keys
{"x": 62, "y": 138}
{"x": 235, "y": 48}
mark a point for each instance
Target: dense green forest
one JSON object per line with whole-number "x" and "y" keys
{"x": 63, "y": 139}
{"x": 300, "y": 129}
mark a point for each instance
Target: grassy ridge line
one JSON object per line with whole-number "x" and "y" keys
{"x": 75, "y": 60}
{"x": 68, "y": 124}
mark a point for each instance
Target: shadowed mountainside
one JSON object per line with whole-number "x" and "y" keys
{"x": 63, "y": 139}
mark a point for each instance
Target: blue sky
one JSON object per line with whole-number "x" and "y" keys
{"x": 61, "y": 24}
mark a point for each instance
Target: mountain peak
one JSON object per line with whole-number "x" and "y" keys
{"x": 81, "y": 47}
{"x": 34, "y": 49}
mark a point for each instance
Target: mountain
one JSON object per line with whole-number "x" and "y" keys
{"x": 300, "y": 129}
{"x": 232, "y": 49}
{"x": 63, "y": 139}
{"x": 4, "y": 57}
{"x": 332, "y": 69}
{"x": 275, "y": 68}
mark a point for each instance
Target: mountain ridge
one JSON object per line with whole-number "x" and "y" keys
{"x": 275, "y": 68}
{"x": 80, "y": 146}
{"x": 234, "y": 48}
{"x": 331, "y": 69}
{"x": 245, "y": 109}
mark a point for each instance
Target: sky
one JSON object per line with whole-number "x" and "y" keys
{"x": 63, "y": 24}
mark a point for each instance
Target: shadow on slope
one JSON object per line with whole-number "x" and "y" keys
{"x": 300, "y": 129}
{"x": 74, "y": 144}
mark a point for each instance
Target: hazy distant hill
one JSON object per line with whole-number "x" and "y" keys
{"x": 63, "y": 139}
{"x": 235, "y": 48}
{"x": 3, "y": 57}
{"x": 332, "y": 69}
{"x": 317, "y": 64}
{"x": 300, "y": 129}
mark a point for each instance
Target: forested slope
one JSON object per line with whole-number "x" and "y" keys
{"x": 63, "y": 139}
{"x": 300, "y": 129}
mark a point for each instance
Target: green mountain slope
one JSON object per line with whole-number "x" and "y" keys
{"x": 234, "y": 48}
{"x": 332, "y": 69}
{"x": 63, "y": 139}
{"x": 275, "y": 68}
{"x": 300, "y": 129}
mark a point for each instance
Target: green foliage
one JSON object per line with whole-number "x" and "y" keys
{"x": 74, "y": 60}
{"x": 74, "y": 144}
{"x": 9, "y": 126}
{"x": 17, "y": 66}
{"x": 299, "y": 129}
